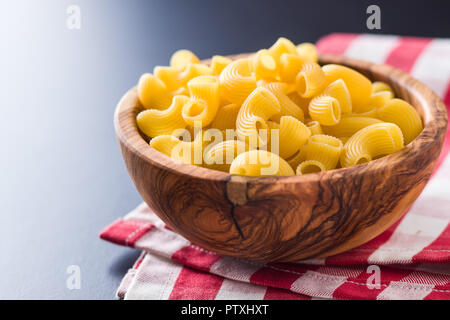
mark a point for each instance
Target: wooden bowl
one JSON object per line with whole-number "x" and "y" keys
{"x": 295, "y": 217}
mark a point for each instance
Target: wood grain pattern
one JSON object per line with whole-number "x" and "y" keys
{"x": 288, "y": 218}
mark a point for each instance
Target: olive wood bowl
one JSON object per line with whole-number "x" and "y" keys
{"x": 291, "y": 218}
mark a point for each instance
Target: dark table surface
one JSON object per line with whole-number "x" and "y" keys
{"x": 62, "y": 178}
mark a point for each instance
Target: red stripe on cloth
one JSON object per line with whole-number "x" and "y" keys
{"x": 281, "y": 294}
{"x": 195, "y": 257}
{"x": 280, "y": 275}
{"x": 361, "y": 254}
{"x": 438, "y": 250}
{"x": 195, "y": 285}
{"x": 405, "y": 54}
{"x": 440, "y": 292}
{"x": 357, "y": 288}
{"x": 125, "y": 232}
{"x": 335, "y": 43}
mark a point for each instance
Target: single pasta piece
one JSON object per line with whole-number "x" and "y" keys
{"x": 187, "y": 152}
{"x": 372, "y": 142}
{"x": 308, "y": 52}
{"x": 325, "y": 109}
{"x": 310, "y": 81}
{"x": 379, "y": 99}
{"x": 348, "y": 126}
{"x": 298, "y": 157}
{"x": 226, "y": 117}
{"x": 290, "y": 66}
{"x": 282, "y": 45}
{"x": 219, "y": 156}
{"x": 218, "y": 63}
{"x": 237, "y": 81}
{"x": 379, "y": 86}
{"x": 260, "y": 163}
{"x": 314, "y": 127}
{"x": 359, "y": 87}
{"x": 153, "y": 93}
{"x": 264, "y": 65}
{"x": 325, "y": 149}
{"x": 292, "y": 136}
{"x": 288, "y": 107}
{"x": 176, "y": 78}
{"x": 338, "y": 90}
{"x": 404, "y": 115}
{"x": 204, "y": 102}
{"x": 182, "y": 58}
{"x": 309, "y": 166}
{"x": 154, "y": 122}
{"x": 260, "y": 105}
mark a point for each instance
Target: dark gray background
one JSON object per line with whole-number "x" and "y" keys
{"x": 61, "y": 174}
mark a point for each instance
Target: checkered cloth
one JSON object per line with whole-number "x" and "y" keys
{"x": 413, "y": 256}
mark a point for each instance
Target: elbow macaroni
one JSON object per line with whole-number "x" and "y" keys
{"x": 275, "y": 113}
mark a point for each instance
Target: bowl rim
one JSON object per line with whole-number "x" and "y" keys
{"x": 434, "y": 119}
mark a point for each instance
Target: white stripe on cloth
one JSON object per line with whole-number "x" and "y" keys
{"x": 317, "y": 285}
{"x": 235, "y": 269}
{"x": 433, "y": 66}
{"x": 236, "y": 290}
{"x": 162, "y": 242}
{"x": 436, "y": 194}
{"x": 154, "y": 280}
{"x": 402, "y": 290}
{"x": 371, "y": 47}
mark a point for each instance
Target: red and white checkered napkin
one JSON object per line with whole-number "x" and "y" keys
{"x": 413, "y": 255}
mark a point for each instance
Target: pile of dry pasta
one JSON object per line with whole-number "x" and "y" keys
{"x": 275, "y": 112}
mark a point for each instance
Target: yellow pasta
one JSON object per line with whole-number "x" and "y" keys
{"x": 371, "y": 143}
{"x": 260, "y": 105}
{"x": 182, "y": 58}
{"x": 379, "y": 86}
{"x": 282, "y": 45}
{"x": 314, "y": 127}
{"x": 379, "y": 99}
{"x": 226, "y": 117}
{"x": 310, "y": 80}
{"x": 187, "y": 152}
{"x": 260, "y": 163}
{"x": 264, "y": 65}
{"x": 348, "y": 126}
{"x": 237, "y": 81}
{"x": 204, "y": 102}
{"x": 153, "y": 93}
{"x": 176, "y": 78}
{"x": 404, "y": 115}
{"x": 308, "y": 52}
{"x": 301, "y": 102}
{"x": 275, "y": 112}
{"x": 338, "y": 89}
{"x": 310, "y": 166}
{"x": 154, "y": 122}
{"x": 293, "y": 135}
{"x": 218, "y": 63}
{"x": 325, "y": 110}
{"x": 287, "y": 106}
{"x": 325, "y": 149}
{"x": 220, "y": 155}
{"x": 290, "y": 66}
{"x": 298, "y": 157}
{"x": 359, "y": 87}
